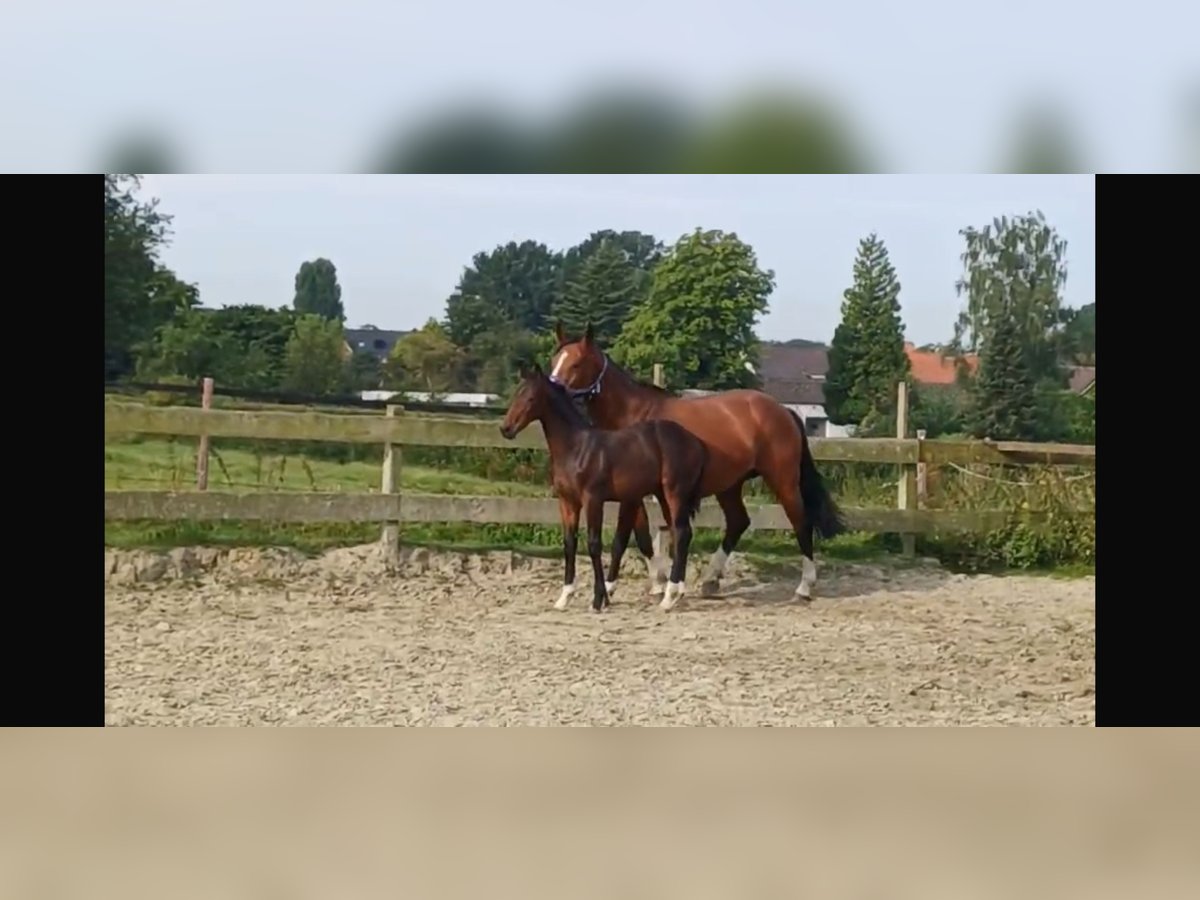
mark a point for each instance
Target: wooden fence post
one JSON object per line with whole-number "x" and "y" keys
{"x": 665, "y": 535}
{"x": 206, "y": 395}
{"x": 390, "y": 484}
{"x": 922, "y": 473}
{"x": 906, "y": 495}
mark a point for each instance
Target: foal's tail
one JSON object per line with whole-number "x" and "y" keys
{"x": 694, "y": 497}
{"x": 819, "y": 505}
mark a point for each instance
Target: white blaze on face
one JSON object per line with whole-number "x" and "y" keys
{"x": 558, "y": 364}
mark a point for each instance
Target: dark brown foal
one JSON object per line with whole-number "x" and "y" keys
{"x": 590, "y": 466}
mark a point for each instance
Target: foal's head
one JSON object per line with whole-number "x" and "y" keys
{"x": 537, "y": 397}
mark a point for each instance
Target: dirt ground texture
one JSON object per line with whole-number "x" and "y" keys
{"x": 201, "y": 636}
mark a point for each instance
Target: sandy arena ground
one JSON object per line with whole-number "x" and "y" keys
{"x": 263, "y": 637}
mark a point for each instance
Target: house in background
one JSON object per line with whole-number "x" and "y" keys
{"x": 794, "y": 374}
{"x": 931, "y": 367}
{"x": 1082, "y": 380}
{"x": 369, "y": 339}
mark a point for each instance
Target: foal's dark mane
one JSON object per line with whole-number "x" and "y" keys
{"x": 564, "y": 407}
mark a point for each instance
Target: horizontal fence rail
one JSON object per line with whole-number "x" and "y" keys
{"x": 422, "y": 430}
{"x": 400, "y": 427}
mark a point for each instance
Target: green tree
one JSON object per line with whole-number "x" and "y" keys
{"x": 1079, "y": 335}
{"x": 239, "y": 346}
{"x": 1004, "y": 399}
{"x": 517, "y": 284}
{"x": 315, "y": 360}
{"x": 494, "y": 358}
{"x": 698, "y": 320}
{"x": 866, "y": 356}
{"x": 642, "y": 251}
{"x": 318, "y": 292}
{"x": 1016, "y": 269}
{"x": 425, "y": 360}
{"x": 939, "y": 409}
{"x": 364, "y": 372}
{"x": 140, "y": 294}
{"x": 603, "y": 291}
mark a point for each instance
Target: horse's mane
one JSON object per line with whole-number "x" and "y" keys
{"x": 649, "y": 385}
{"x": 563, "y": 406}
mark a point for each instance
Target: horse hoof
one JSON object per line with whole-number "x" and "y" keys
{"x": 710, "y": 588}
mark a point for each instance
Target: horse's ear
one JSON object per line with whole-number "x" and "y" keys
{"x": 560, "y": 333}
{"x": 522, "y": 371}
{"x": 537, "y": 370}
{"x": 589, "y": 335}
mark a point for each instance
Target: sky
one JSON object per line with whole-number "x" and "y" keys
{"x": 400, "y": 242}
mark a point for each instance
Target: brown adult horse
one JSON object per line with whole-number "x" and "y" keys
{"x": 590, "y": 465}
{"x": 747, "y": 433}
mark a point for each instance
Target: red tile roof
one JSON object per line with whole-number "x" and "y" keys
{"x": 1081, "y": 377}
{"x": 934, "y": 368}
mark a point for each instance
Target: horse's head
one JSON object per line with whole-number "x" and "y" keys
{"x": 579, "y": 365}
{"x": 527, "y": 403}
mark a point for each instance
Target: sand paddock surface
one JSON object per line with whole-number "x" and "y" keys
{"x": 201, "y": 636}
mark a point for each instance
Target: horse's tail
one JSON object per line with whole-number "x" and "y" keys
{"x": 818, "y": 503}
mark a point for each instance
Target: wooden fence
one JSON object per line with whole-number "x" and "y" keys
{"x": 397, "y": 429}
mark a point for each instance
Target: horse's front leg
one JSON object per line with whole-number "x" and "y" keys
{"x": 569, "y": 512}
{"x": 737, "y": 520}
{"x": 594, "y": 510}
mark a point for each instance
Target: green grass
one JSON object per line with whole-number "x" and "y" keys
{"x": 171, "y": 465}
{"x": 136, "y": 463}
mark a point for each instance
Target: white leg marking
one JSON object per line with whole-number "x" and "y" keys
{"x": 716, "y": 566}
{"x": 657, "y": 584}
{"x": 808, "y": 578}
{"x": 673, "y": 593}
{"x": 567, "y": 591}
{"x": 610, "y": 586}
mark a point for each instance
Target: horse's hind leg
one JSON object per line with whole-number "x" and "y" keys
{"x": 788, "y": 492}
{"x": 737, "y": 520}
{"x": 656, "y": 568}
{"x": 682, "y": 530}
{"x": 625, "y": 519}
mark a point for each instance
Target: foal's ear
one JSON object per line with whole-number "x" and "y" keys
{"x": 536, "y": 370}
{"x": 589, "y": 335}
{"x": 560, "y": 333}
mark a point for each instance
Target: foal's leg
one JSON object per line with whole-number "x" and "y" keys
{"x": 737, "y": 520}
{"x": 570, "y": 523}
{"x": 625, "y": 518}
{"x": 656, "y": 567}
{"x": 788, "y": 492}
{"x": 682, "y": 533}
{"x": 594, "y": 511}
